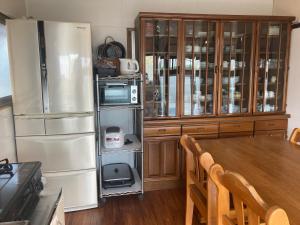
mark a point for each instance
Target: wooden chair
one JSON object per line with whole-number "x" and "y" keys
{"x": 295, "y": 136}
{"x": 245, "y": 198}
{"x": 197, "y": 166}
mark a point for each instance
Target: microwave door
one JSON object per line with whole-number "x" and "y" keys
{"x": 116, "y": 94}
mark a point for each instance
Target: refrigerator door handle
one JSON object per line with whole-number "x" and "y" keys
{"x": 44, "y": 79}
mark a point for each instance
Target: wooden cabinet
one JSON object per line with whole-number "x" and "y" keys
{"x": 213, "y": 65}
{"x": 160, "y": 39}
{"x": 162, "y": 131}
{"x": 161, "y": 162}
{"x": 202, "y": 131}
{"x": 272, "y": 45}
{"x": 236, "y": 128}
{"x": 236, "y": 58}
{"x": 276, "y": 127}
{"x": 209, "y": 76}
{"x": 199, "y": 51}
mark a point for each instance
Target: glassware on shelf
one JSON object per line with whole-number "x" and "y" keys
{"x": 161, "y": 67}
{"x": 199, "y": 67}
{"x": 236, "y": 73}
{"x": 271, "y": 64}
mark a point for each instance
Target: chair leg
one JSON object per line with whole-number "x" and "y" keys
{"x": 189, "y": 210}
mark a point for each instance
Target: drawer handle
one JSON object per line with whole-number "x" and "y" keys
{"x": 237, "y": 125}
{"x": 162, "y": 130}
{"x": 271, "y": 124}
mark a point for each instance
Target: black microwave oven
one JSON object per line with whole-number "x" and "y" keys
{"x": 118, "y": 94}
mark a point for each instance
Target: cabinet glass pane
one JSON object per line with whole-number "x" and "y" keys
{"x": 199, "y": 67}
{"x": 271, "y": 67}
{"x": 161, "y": 43}
{"x": 235, "y": 68}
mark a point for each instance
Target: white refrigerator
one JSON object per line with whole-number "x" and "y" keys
{"x": 53, "y": 105}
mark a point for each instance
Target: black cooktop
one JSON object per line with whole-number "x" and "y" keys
{"x": 20, "y": 184}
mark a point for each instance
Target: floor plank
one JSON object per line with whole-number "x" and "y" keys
{"x": 165, "y": 207}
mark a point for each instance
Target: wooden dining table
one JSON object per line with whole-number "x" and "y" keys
{"x": 270, "y": 164}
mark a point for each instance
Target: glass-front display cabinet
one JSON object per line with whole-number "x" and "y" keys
{"x": 235, "y": 83}
{"x": 161, "y": 41}
{"x": 213, "y": 66}
{"x": 271, "y": 71}
{"x": 199, "y": 75}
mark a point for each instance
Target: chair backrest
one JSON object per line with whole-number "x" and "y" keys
{"x": 197, "y": 163}
{"x": 245, "y": 199}
{"x": 295, "y": 136}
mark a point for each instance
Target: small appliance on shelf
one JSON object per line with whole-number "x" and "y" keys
{"x": 119, "y": 125}
{"x": 118, "y": 93}
{"x": 117, "y": 175}
{"x": 113, "y": 137}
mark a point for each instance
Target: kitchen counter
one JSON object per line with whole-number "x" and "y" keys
{"x": 43, "y": 213}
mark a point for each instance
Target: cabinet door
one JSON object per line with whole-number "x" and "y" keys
{"x": 160, "y": 44}
{"x": 200, "y": 59}
{"x": 271, "y": 71}
{"x": 161, "y": 158}
{"x": 237, "y": 44}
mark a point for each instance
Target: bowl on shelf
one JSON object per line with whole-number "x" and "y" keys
{"x": 225, "y": 64}
{"x": 197, "y": 48}
{"x": 209, "y": 97}
{"x": 202, "y": 98}
{"x": 203, "y": 49}
{"x": 188, "y": 48}
{"x": 237, "y": 95}
{"x": 201, "y": 34}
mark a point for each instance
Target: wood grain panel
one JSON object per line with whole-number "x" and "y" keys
{"x": 270, "y": 164}
{"x": 165, "y": 207}
{"x": 152, "y": 159}
{"x": 162, "y": 131}
{"x": 231, "y": 127}
{"x": 170, "y": 156}
{"x": 201, "y": 129}
{"x": 271, "y": 125}
{"x": 276, "y": 133}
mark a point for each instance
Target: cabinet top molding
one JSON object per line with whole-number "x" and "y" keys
{"x": 215, "y": 16}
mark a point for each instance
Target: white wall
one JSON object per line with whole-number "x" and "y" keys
{"x": 112, "y": 17}
{"x": 13, "y": 8}
{"x": 7, "y": 140}
{"x": 292, "y": 8}
{"x": 287, "y": 8}
{"x": 293, "y": 101}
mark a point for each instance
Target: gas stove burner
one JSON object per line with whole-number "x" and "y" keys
{"x": 6, "y": 167}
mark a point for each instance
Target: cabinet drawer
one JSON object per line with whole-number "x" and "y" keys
{"x": 162, "y": 131}
{"x": 201, "y": 129}
{"x": 274, "y": 133}
{"x": 271, "y": 125}
{"x": 233, "y": 127}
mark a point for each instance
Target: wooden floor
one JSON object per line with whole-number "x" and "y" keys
{"x": 165, "y": 207}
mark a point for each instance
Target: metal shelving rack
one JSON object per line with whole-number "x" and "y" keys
{"x": 133, "y": 150}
